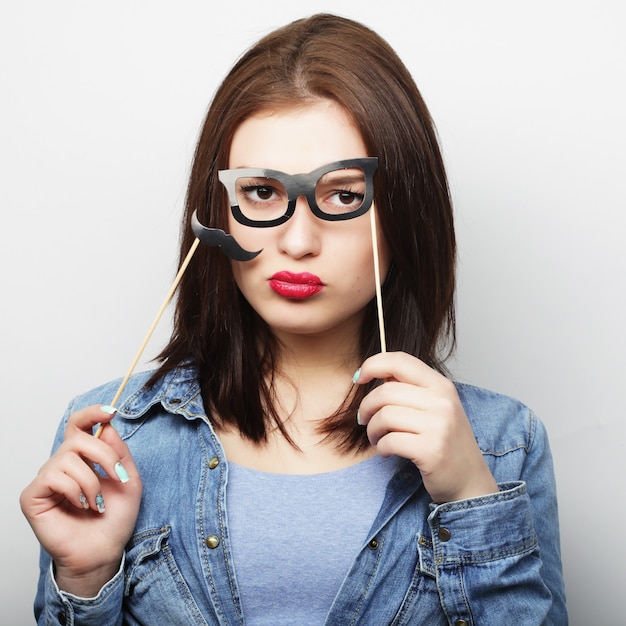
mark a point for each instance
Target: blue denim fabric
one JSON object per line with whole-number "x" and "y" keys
{"x": 487, "y": 561}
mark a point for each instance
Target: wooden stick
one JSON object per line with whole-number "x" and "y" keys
{"x": 144, "y": 343}
{"x": 379, "y": 297}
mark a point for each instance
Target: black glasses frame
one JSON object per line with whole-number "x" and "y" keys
{"x": 298, "y": 185}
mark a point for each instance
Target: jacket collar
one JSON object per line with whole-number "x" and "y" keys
{"x": 178, "y": 392}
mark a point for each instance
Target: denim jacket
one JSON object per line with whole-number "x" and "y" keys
{"x": 482, "y": 561}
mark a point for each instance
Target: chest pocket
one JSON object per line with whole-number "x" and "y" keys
{"x": 155, "y": 590}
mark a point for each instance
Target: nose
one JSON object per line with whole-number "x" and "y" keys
{"x": 300, "y": 234}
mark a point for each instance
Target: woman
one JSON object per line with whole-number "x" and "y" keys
{"x": 255, "y": 477}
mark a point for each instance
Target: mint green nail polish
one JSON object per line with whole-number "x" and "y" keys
{"x": 109, "y": 410}
{"x": 358, "y": 418}
{"x": 121, "y": 472}
{"x": 357, "y": 375}
{"x": 100, "y": 503}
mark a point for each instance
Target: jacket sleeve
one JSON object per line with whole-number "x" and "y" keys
{"x": 54, "y": 607}
{"x": 498, "y": 557}
{"x": 58, "y": 608}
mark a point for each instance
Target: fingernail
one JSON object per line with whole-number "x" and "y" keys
{"x": 100, "y": 503}
{"x": 83, "y": 501}
{"x": 109, "y": 410}
{"x": 121, "y": 472}
{"x": 357, "y": 375}
{"x": 358, "y": 418}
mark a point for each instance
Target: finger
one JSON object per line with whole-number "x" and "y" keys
{"x": 393, "y": 394}
{"x": 128, "y": 470}
{"x": 41, "y": 496}
{"x": 88, "y": 481}
{"x": 398, "y": 366}
{"x": 68, "y": 478}
{"x": 394, "y": 419}
{"x": 403, "y": 444}
{"x": 86, "y": 419}
{"x": 109, "y": 452}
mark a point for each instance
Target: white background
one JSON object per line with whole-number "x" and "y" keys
{"x": 100, "y": 107}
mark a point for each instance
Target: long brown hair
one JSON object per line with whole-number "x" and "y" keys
{"x": 323, "y": 56}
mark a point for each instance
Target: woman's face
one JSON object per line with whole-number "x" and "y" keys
{"x": 313, "y": 277}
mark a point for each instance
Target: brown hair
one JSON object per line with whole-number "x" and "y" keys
{"x": 323, "y": 56}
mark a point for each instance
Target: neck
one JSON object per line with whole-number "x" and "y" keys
{"x": 302, "y": 364}
{"x": 313, "y": 377}
{"x": 322, "y": 354}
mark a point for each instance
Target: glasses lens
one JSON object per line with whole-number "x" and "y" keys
{"x": 341, "y": 192}
{"x": 261, "y": 199}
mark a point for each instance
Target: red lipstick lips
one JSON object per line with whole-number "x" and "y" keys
{"x": 296, "y": 286}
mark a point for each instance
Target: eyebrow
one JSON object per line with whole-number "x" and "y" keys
{"x": 339, "y": 176}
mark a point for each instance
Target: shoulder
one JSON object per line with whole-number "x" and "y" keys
{"x": 145, "y": 399}
{"x": 105, "y": 393}
{"x": 500, "y": 422}
{"x": 143, "y": 390}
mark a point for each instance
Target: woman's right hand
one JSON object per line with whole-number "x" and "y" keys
{"x": 82, "y": 519}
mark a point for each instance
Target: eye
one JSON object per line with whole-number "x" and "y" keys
{"x": 260, "y": 198}
{"x": 260, "y": 191}
{"x": 341, "y": 191}
{"x": 342, "y": 201}
{"x": 257, "y": 192}
{"x": 349, "y": 197}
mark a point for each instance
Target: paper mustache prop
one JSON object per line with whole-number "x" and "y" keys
{"x": 217, "y": 237}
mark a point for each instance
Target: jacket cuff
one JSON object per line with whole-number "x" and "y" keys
{"x": 66, "y": 609}
{"x": 483, "y": 529}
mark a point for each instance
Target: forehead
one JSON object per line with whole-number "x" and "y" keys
{"x": 298, "y": 139}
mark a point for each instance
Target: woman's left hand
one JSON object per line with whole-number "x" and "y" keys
{"x": 417, "y": 414}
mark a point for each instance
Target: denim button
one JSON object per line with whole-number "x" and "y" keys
{"x": 214, "y": 462}
{"x": 373, "y": 544}
{"x": 444, "y": 534}
{"x": 460, "y": 622}
{"x": 212, "y": 541}
{"x": 62, "y": 618}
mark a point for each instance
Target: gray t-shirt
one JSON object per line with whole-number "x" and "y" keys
{"x": 294, "y": 536}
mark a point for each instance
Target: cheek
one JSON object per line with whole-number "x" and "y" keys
{"x": 247, "y": 276}
{"x": 246, "y": 236}
{"x": 353, "y": 265}
{"x": 364, "y": 251}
